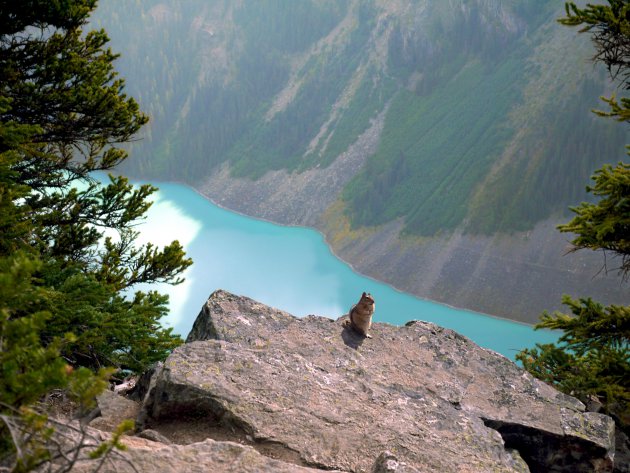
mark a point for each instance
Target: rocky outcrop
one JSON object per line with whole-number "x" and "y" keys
{"x": 414, "y": 398}
{"x": 113, "y": 410}
{"x": 150, "y": 451}
{"x": 146, "y": 456}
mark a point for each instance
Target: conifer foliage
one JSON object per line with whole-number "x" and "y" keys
{"x": 592, "y": 357}
{"x": 69, "y": 261}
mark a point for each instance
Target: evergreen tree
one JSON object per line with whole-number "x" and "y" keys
{"x": 592, "y": 357}
{"x": 605, "y": 225}
{"x": 68, "y": 254}
{"x": 609, "y": 26}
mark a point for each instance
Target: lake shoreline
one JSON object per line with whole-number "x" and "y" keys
{"x": 330, "y": 249}
{"x": 292, "y": 268}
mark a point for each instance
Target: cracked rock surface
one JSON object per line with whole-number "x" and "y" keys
{"x": 143, "y": 455}
{"x": 312, "y": 393}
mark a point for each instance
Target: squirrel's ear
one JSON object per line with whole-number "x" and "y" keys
{"x": 363, "y": 295}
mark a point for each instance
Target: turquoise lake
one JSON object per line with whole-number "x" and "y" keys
{"x": 292, "y": 269}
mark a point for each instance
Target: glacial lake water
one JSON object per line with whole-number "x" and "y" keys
{"x": 292, "y": 269}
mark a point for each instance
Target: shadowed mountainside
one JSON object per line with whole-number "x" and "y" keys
{"x": 443, "y": 135}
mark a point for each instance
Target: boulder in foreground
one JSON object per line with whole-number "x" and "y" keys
{"x": 416, "y": 398}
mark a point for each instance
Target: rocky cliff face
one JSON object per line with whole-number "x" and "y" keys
{"x": 279, "y": 393}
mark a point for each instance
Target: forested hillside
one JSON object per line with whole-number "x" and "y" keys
{"x": 485, "y": 126}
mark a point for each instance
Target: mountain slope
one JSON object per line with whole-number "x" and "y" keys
{"x": 447, "y": 121}
{"x": 291, "y": 85}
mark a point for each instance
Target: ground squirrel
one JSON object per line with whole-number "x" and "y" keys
{"x": 361, "y": 315}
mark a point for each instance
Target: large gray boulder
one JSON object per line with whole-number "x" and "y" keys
{"x": 412, "y": 398}
{"x": 145, "y": 456}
